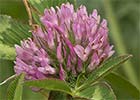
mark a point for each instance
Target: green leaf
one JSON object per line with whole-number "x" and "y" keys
{"x": 7, "y": 52}
{"x": 15, "y": 88}
{"x": 12, "y": 32}
{"x": 123, "y": 89}
{"x": 99, "y": 91}
{"x": 104, "y": 69}
{"x": 50, "y": 84}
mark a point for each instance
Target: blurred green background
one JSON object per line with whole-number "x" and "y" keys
{"x": 124, "y": 24}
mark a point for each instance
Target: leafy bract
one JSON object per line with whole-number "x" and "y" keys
{"x": 104, "y": 69}
{"x": 99, "y": 91}
{"x": 50, "y": 84}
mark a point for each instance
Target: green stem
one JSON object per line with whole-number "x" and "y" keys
{"x": 119, "y": 44}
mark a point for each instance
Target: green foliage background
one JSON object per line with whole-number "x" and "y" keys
{"x": 125, "y": 22}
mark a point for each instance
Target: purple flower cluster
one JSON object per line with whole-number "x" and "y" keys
{"x": 70, "y": 41}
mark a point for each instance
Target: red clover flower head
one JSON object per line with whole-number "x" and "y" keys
{"x": 70, "y": 42}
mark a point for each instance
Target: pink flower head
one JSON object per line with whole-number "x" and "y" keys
{"x": 68, "y": 41}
